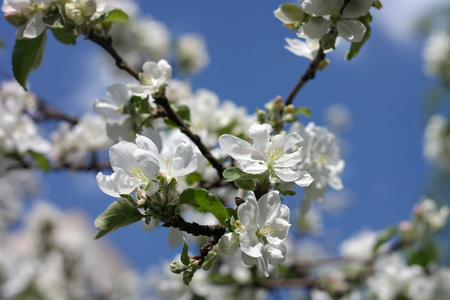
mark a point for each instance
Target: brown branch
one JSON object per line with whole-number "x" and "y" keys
{"x": 310, "y": 73}
{"x": 164, "y": 103}
{"x": 106, "y": 45}
{"x": 48, "y": 112}
{"x": 193, "y": 228}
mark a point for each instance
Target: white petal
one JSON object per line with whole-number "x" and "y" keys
{"x": 145, "y": 143}
{"x": 269, "y": 206}
{"x": 276, "y": 253}
{"x": 106, "y": 109}
{"x": 322, "y": 7}
{"x": 356, "y": 8}
{"x": 305, "y": 180}
{"x": 248, "y": 260}
{"x": 279, "y": 233}
{"x": 351, "y": 30}
{"x": 260, "y": 134}
{"x": 121, "y": 156}
{"x": 250, "y": 243}
{"x": 118, "y": 94}
{"x": 291, "y": 140}
{"x": 34, "y": 27}
{"x": 299, "y": 48}
{"x": 185, "y": 160}
{"x": 289, "y": 160}
{"x": 148, "y": 161}
{"x": 248, "y": 213}
{"x": 287, "y": 174}
{"x": 314, "y": 29}
{"x": 238, "y": 148}
{"x": 253, "y": 166}
{"x": 117, "y": 183}
{"x": 229, "y": 243}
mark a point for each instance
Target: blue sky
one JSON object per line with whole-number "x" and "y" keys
{"x": 383, "y": 88}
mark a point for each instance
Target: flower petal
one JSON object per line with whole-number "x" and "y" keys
{"x": 238, "y": 148}
{"x": 248, "y": 213}
{"x": 260, "y": 134}
{"x": 351, "y": 30}
{"x": 356, "y": 8}
{"x": 276, "y": 253}
{"x": 322, "y": 7}
{"x": 34, "y": 27}
{"x": 314, "y": 29}
{"x": 185, "y": 160}
{"x": 121, "y": 156}
{"x": 229, "y": 243}
{"x": 117, "y": 183}
{"x": 148, "y": 162}
{"x": 145, "y": 143}
{"x": 269, "y": 206}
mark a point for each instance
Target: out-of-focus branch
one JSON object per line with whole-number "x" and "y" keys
{"x": 48, "y": 112}
{"x": 310, "y": 73}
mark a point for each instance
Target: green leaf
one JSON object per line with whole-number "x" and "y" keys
{"x": 193, "y": 178}
{"x": 285, "y": 192}
{"x": 65, "y": 37}
{"x": 232, "y": 174}
{"x": 115, "y": 16}
{"x": 181, "y": 110}
{"x": 185, "y": 259}
{"x": 424, "y": 254}
{"x": 231, "y": 213}
{"x": 384, "y": 237}
{"x": 303, "y": 111}
{"x": 245, "y": 184}
{"x": 27, "y": 56}
{"x": 355, "y": 47}
{"x": 203, "y": 201}
{"x": 40, "y": 159}
{"x": 119, "y": 214}
{"x": 54, "y": 20}
{"x": 209, "y": 260}
{"x": 188, "y": 275}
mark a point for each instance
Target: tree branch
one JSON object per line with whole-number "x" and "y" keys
{"x": 310, "y": 73}
{"x": 164, "y": 103}
{"x": 106, "y": 45}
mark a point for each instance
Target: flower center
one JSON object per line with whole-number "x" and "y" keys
{"x": 273, "y": 155}
{"x": 266, "y": 230}
{"x": 137, "y": 173}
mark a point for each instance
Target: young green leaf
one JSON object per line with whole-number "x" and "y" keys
{"x": 63, "y": 36}
{"x": 115, "y": 16}
{"x": 41, "y": 160}
{"x": 384, "y": 237}
{"x": 185, "y": 259}
{"x": 119, "y": 214}
{"x": 232, "y": 174}
{"x": 27, "y": 56}
{"x": 203, "y": 201}
{"x": 245, "y": 184}
{"x": 231, "y": 213}
{"x": 209, "y": 260}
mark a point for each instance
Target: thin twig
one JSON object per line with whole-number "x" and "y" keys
{"x": 106, "y": 44}
{"x": 49, "y": 112}
{"x": 310, "y": 73}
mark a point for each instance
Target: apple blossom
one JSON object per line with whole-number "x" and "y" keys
{"x": 267, "y": 153}
{"x": 134, "y": 166}
{"x": 262, "y": 227}
{"x": 153, "y": 76}
{"x": 342, "y": 14}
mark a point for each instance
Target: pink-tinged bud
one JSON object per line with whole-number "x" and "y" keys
{"x": 418, "y": 210}
{"x": 15, "y": 18}
{"x": 405, "y": 226}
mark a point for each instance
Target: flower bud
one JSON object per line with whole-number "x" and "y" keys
{"x": 15, "y": 18}
{"x": 88, "y": 7}
{"x": 323, "y": 64}
{"x": 74, "y": 13}
{"x": 290, "y": 13}
{"x": 177, "y": 267}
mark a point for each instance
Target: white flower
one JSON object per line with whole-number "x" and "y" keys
{"x": 359, "y": 247}
{"x": 350, "y": 29}
{"x": 153, "y": 76}
{"x": 429, "y": 212}
{"x": 192, "y": 52}
{"x": 134, "y": 166}
{"x": 436, "y": 52}
{"x": 33, "y": 10}
{"x": 322, "y": 160}
{"x": 262, "y": 227}
{"x": 436, "y": 144}
{"x": 267, "y": 153}
{"x": 183, "y": 161}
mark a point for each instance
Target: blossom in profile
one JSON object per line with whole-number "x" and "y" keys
{"x": 152, "y": 77}
{"x": 134, "y": 166}
{"x": 262, "y": 227}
